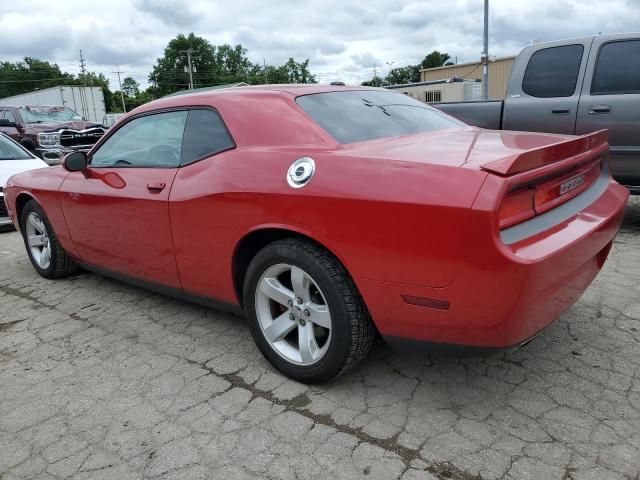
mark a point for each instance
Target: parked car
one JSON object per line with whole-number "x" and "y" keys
{"x": 13, "y": 159}
{"x": 326, "y": 213}
{"x": 573, "y": 86}
{"x": 49, "y": 131}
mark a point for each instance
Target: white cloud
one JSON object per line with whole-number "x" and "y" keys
{"x": 342, "y": 38}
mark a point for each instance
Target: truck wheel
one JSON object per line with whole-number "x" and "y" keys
{"x": 305, "y": 313}
{"x": 45, "y": 252}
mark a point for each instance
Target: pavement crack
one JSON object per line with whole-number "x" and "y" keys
{"x": 442, "y": 470}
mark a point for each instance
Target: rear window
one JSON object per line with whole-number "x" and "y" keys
{"x": 354, "y": 116}
{"x": 553, "y": 72}
{"x": 618, "y": 69}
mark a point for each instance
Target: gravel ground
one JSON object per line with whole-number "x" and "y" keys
{"x": 102, "y": 380}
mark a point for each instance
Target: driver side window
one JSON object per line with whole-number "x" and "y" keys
{"x": 151, "y": 141}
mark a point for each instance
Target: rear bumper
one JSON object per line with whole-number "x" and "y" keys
{"x": 504, "y": 294}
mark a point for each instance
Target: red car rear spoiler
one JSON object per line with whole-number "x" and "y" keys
{"x": 539, "y": 157}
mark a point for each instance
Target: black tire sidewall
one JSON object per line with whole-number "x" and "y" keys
{"x": 32, "y": 206}
{"x": 335, "y": 357}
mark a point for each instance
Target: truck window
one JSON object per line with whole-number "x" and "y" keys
{"x": 553, "y": 72}
{"x": 617, "y": 69}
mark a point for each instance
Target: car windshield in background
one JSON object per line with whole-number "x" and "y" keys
{"x": 47, "y": 114}
{"x": 11, "y": 151}
{"x": 358, "y": 115}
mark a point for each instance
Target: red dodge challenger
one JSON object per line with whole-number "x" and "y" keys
{"x": 329, "y": 213}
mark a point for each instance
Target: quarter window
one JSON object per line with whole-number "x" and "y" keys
{"x": 553, "y": 72}
{"x": 618, "y": 69}
{"x": 205, "y": 135}
{"x": 149, "y": 141}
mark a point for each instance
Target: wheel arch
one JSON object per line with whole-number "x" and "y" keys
{"x": 21, "y": 200}
{"x": 258, "y": 238}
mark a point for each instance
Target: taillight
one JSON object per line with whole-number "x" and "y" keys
{"x": 517, "y": 207}
{"x": 526, "y": 203}
{"x": 560, "y": 190}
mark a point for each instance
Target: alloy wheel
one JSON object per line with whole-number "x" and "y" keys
{"x": 293, "y": 314}
{"x": 38, "y": 240}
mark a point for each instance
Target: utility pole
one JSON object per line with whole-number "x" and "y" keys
{"x": 189, "y": 51}
{"x": 83, "y": 65}
{"x": 124, "y": 108}
{"x": 485, "y": 54}
{"x": 264, "y": 69}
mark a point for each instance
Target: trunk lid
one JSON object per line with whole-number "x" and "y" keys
{"x": 500, "y": 152}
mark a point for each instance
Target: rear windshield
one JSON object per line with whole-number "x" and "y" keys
{"x": 353, "y": 116}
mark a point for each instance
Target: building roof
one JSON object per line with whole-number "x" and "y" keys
{"x": 467, "y": 64}
{"x": 431, "y": 82}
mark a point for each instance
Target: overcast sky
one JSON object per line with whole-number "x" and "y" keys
{"x": 342, "y": 38}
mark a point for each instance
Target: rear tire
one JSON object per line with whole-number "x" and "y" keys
{"x": 45, "y": 252}
{"x": 305, "y": 313}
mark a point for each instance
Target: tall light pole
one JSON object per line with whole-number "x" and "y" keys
{"x": 485, "y": 54}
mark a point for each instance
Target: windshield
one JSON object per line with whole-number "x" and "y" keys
{"x": 9, "y": 150}
{"x": 47, "y": 114}
{"x": 356, "y": 115}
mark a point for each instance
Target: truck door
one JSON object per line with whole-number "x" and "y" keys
{"x": 544, "y": 88}
{"x": 611, "y": 99}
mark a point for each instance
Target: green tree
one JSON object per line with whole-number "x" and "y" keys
{"x": 170, "y": 73}
{"x": 217, "y": 65}
{"x": 376, "y": 81}
{"x": 408, "y": 74}
{"x": 130, "y": 87}
{"x": 435, "y": 59}
{"x": 31, "y": 74}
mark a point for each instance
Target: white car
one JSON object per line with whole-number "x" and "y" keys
{"x": 13, "y": 159}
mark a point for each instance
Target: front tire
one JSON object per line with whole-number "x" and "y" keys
{"x": 45, "y": 252}
{"x": 304, "y": 311}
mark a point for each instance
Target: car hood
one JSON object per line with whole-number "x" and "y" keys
{"x": 53, "y": 126}
{"x": 11, "y": 167}
{"x": 469, "y": 147}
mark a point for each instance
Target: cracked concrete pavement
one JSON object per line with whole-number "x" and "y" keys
{"x": 102, "y": 380}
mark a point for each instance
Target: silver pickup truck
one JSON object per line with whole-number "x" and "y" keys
{"x": 572, "y": 86}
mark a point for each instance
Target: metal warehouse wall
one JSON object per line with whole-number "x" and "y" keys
{"x": 499, "y": 71}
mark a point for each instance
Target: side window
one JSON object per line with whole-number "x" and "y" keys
{"x": 8, "y": 114}
{"x": 204, "y": 135}
{"x": 150, "y": 141}
{"x": 617, "y": 69}
{"x": 553, "y": 72}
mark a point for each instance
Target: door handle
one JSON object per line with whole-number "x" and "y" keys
{"x": 156, "y": 187}
{"x": 599, "y": 109}
{"x": 561, "y": 110}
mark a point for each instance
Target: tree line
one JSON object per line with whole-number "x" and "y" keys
{"x": 211, "y": 65}
{"x": 410, "y": 73}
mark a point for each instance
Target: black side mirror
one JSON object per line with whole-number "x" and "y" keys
{"x": 75, "y": 161}
{"x": 5, "y": 122}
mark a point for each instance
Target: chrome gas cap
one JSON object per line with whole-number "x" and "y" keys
{"x": 300, "y": 172}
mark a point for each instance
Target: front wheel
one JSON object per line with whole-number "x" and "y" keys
{"x": 45, "y": 252}
{"x": 304, "y": 311}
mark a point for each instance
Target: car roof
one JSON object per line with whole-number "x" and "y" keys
{"x": 235, "y": 93}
